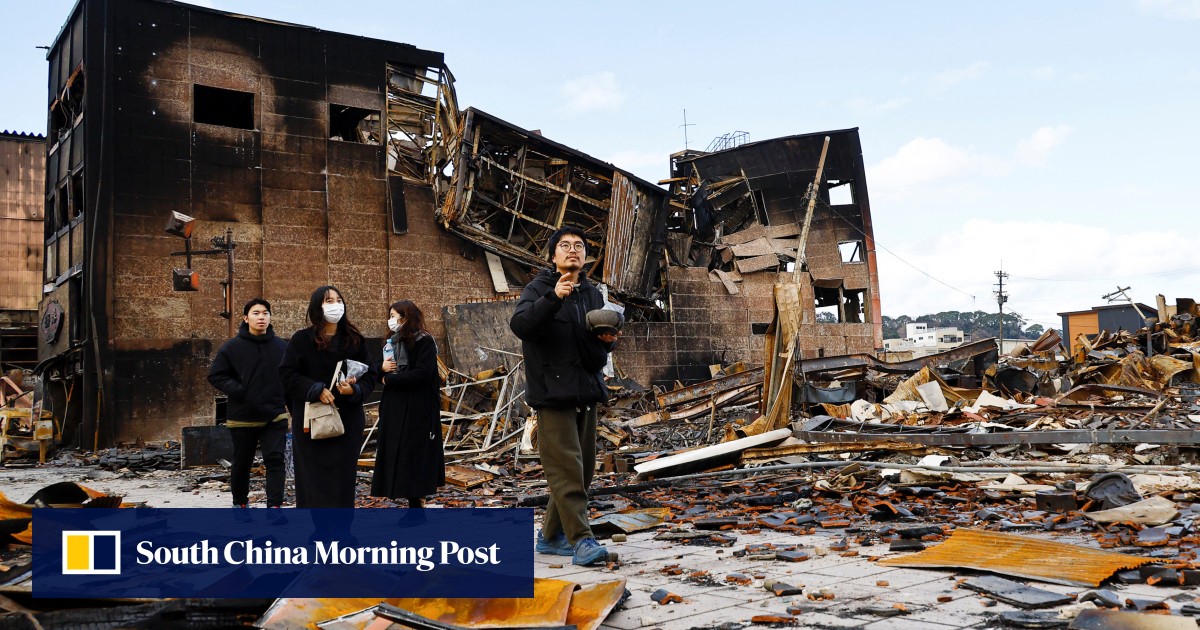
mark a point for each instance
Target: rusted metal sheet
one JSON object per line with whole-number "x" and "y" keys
{"x": 591, "y": 605}
{"x": 1021, "y": 556}
{"x": 1083, "y": 392}
{"x": 965, "y": 351}
{"x": 548, "y": 607}
{"x": 695, "y": 410}
{"x": 630, "y": 522}
{"x": 1122, "y": 620}
{"x": 707, "y": 389}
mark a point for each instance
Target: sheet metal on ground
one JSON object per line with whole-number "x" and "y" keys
{"x": 1021, "y": 556}
{"x": 555, "y": 603}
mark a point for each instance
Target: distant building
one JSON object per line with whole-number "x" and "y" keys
{"x": 1112, "y": 318}
{"x": 920, "y": 340}
{"x": 22, "y": 185}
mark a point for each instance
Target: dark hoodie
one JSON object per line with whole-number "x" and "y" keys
{"x": 563, "y": 361}
{"x": 246, "y": 369}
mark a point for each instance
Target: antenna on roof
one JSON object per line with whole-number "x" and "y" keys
{"x": 685, "y": 125}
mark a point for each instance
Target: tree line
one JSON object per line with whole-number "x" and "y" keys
{"x": 975, "y": 325}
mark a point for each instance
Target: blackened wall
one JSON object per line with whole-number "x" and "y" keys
{"x": 304, "y": 210}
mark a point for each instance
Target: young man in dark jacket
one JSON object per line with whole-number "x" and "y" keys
{"x": 246, "y": 369}
{"x": 563, "y": 370}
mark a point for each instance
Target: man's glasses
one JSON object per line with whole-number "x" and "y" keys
{"x": 571, "y": 247}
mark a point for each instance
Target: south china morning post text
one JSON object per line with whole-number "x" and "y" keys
{"x": 251, "y": 552}
{"x": 221, "y": 552}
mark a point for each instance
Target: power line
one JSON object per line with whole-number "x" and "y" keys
{"x": 897, "y": 256}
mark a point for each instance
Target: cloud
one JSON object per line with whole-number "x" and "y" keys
{"x": 869, "y": 107}
{"x": 1044, "y": 73}
{"x": 923, "y": 162}
{"x": 1035, "y": 150}
{"x": 209, "y": 4}
{"x": 959, "y": 75}
{"x": 1045, "y": 277}
{"x": 1184, "y": 9}
{"x": 595, "y": 92}
{"x": 920, "y": 162}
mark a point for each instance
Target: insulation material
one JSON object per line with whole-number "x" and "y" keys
{"x": 1021, "y": 556}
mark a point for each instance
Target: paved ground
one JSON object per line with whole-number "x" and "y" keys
{"x": 862, "y": 590}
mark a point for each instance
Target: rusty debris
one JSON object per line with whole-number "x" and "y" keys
{"x": 751, "y": 417}
{"x": 554, "y": 603}
{"x": 1021, "y": 556}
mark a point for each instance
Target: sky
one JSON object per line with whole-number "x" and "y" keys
{"x": 1058, "y": 141}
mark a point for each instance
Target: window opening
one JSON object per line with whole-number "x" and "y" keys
{"x": 218, "y": 106}
{"x": 353, "y": 124}
{"x": 841, "y": 193}
{"x": 851, "y": 251}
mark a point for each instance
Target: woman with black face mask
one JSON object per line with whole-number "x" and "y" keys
{"x": 326, "y": 468}
{"x": 409, "y": 462}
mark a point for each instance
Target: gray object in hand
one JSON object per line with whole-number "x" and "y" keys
{"x": 602, "y": 321}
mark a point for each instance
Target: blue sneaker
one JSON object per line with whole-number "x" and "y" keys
{"x": 588, "y": 552}
{"x": 556, "y": 546}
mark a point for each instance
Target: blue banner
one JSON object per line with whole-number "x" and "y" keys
{"x": 270, "y": 553}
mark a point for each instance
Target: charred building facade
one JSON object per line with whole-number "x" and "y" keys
{"x": 300, "y": 157}
{"x": 22, "y": 180}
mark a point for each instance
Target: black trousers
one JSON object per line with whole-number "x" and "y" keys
{"x": 246, "y": 440}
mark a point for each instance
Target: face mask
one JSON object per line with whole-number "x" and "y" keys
{"x": 333, "y": 312}
{"x": 394, "y": 325}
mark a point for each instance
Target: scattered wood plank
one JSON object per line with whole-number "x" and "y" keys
{"x": 467, "y": 477}
{"x": 496, "y": 269}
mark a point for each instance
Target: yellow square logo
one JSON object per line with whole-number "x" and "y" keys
{"x": 91, "y": 553}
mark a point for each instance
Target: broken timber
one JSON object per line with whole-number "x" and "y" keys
{"x": 1068, "y": 436}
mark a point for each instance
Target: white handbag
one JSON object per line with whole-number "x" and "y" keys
{"x": 323, "y": 421}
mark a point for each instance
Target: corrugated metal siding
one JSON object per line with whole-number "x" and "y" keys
{"x": 1082, "y": 324}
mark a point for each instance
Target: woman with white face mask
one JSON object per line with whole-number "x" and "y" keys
{"x": 326, "y": 469}
{"x": 409, "y": 461}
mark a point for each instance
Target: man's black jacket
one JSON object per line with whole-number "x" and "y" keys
{"x": 563, "y": 361}
{"x": 246, "y": 369}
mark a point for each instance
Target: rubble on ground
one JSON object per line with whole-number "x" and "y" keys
{"x": 1006, "y": 473}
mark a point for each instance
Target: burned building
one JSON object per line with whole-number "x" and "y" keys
{"x": 283, "y": 157}
{"x": 311, "y": 148}
{"x": 22, "y": 177}
{"x": 694, "y": 267}
{"x": 744, "y": 213}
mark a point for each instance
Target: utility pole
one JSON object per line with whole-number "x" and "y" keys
{"x": 1148, "y": 321}
{"x": 1001, "y": 298}
{"x": 685, "y": 125}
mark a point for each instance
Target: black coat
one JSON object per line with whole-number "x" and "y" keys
{"x": 409, "y": 461}
{"x": 325, "y": 469}
{"x": 246, "y": 369}
{"x": 563, "y": 361}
